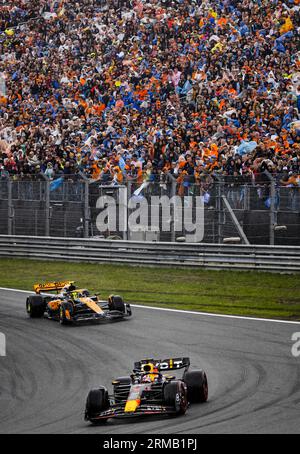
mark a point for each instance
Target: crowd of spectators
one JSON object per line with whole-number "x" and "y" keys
{"x": 134, "y": 89}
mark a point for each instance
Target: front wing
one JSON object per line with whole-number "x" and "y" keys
{"x": 142, "y": 410}
{"x": 93, "y": 316}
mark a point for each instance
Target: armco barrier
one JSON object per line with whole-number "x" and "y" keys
{"x": 285, "y": 259}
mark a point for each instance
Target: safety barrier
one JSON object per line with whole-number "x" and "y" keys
{"x": 284, "y": 259}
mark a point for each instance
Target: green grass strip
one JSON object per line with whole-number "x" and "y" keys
{"x": 258, "y": 294}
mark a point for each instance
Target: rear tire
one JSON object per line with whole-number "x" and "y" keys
{"x": 96, "y": 402}
{"x": 116, "y": 303}
{"x": 175, "y": 396}
{"x": 197, "y": 386}
{"x": 35, "y": 306}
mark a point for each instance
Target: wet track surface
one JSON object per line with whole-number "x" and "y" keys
{"x": 254, "y": 381}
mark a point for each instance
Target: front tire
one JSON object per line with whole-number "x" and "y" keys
{"x": 197, "y": 386}
{"x": 35, "y": 306}
{"x": 116, "y": 303}
{"x": 175, "y": 396}
{"x": 96, "y": 402}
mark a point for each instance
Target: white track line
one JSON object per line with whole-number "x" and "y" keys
{"x": 180, "y": 311}
{"x": 209, "y": 314}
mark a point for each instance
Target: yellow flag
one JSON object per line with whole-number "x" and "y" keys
{"x": 218, "y": 46}
{"x": 287, "y": 26}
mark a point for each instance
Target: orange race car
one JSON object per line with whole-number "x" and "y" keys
{"x": 69, "y": 304}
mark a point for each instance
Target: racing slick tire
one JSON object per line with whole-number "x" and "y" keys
{"x": 175, "y": 396}
{"x": 96, "y": 402}
{"x": 116, "y": 303}
{"x": 197, "y": 386}
{"x": 35, "y": 306}
{"x": 65, "y": 308}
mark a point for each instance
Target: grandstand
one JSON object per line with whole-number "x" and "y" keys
{"x": 201, "y": 95}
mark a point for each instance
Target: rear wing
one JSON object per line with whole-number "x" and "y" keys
{"x": 165, "y": 364}
{"x": 51, "y": 286}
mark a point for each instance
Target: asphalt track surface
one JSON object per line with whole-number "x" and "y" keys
{"x": 254, "y": 381}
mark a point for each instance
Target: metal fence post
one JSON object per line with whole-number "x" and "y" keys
{"x": 246, "y": 204}
{"x": 47, "y": 226}
{"x": 219, "y": 210}
{"x": 273, "y": 214}
{"x": 47, "y": 204}
{"x": 123, "y": 205}
{"x": 172, "y": 208}
{"x": 86, "y": 210}
{"x": 10, "y": 207}
{"x": 129, "y": 189}
{"x": 86, "y": 221}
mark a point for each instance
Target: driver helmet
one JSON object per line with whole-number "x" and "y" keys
{"x": 69, "y": 288}
{"x": 151, "y": 373}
